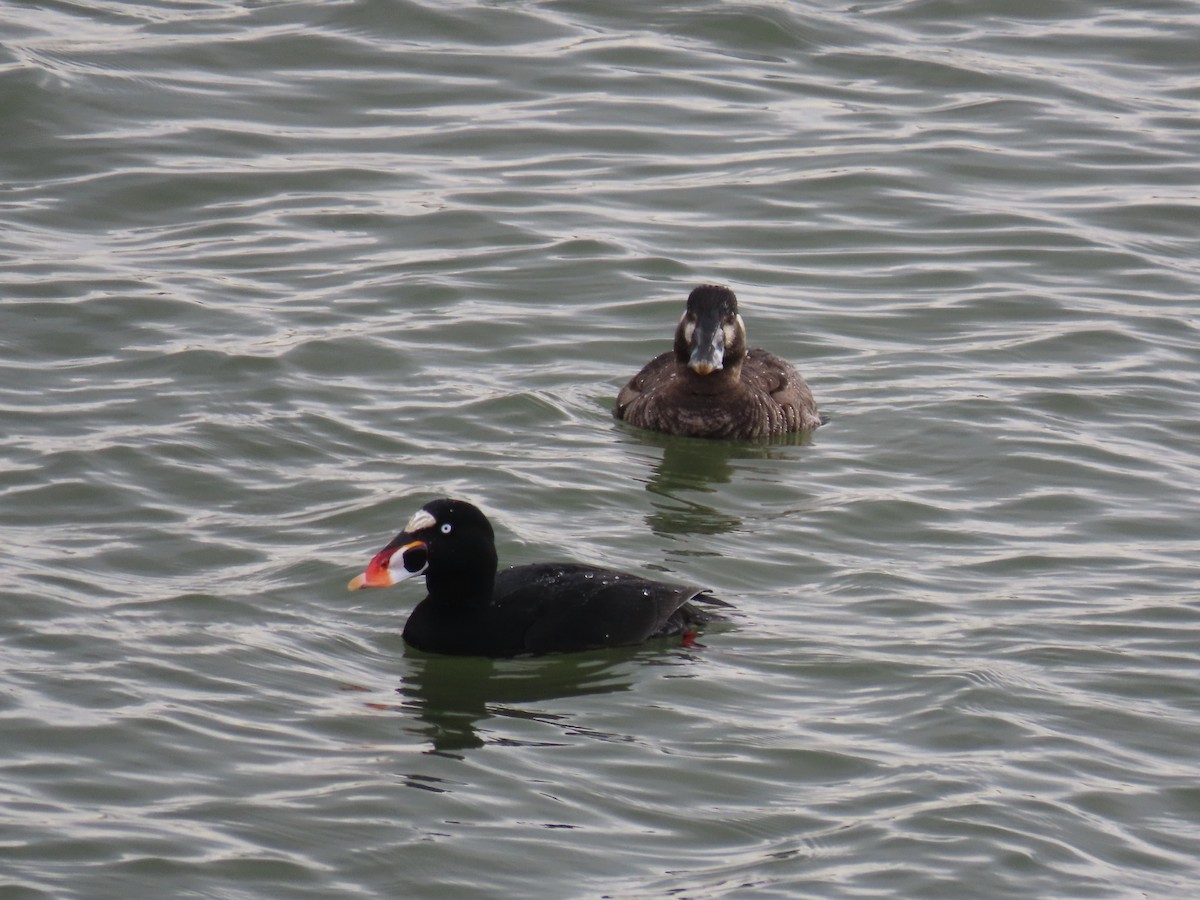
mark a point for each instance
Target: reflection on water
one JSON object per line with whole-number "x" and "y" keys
{"x": 694, "y": 465}
{"x": 256, "y": 291}
{"x": 452, "y": 695}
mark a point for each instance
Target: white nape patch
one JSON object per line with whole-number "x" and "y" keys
{"x": 421, "y": 519}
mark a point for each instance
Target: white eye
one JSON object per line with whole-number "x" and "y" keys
{"x": 447, "y": 528}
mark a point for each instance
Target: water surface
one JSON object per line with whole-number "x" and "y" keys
{"x": 274, "y": 274}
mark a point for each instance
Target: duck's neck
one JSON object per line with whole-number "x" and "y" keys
{"x": 718, "y": 382}
{"x": 463, "y": 585}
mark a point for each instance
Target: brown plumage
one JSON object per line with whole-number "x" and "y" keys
{"x": 711, "y": 386}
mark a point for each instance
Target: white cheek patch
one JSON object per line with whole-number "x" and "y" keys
{"x": 420, "y": 520}
{"x": 689, "y": 328}
{"x": 730, "y": 332}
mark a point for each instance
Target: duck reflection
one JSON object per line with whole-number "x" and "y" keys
{"x": 690, "y": 466}
{"x": 451, "y": 695}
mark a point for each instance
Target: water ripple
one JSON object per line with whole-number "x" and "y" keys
{"x": 274, "y": 274}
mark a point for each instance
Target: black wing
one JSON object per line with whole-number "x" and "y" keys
{"x": 573, "y": 607}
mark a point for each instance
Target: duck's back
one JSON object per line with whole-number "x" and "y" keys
{"x": 557, "y": 608}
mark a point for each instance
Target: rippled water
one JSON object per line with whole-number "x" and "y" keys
{"x": 273, "y": 274}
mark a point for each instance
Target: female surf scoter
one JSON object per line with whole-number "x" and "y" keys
{"x": 472, "y": 610}
{"x": 711, "y": 386}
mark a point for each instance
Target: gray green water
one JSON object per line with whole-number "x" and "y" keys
{"x": 274, "y": 274}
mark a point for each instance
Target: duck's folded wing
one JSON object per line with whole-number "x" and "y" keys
{"x": 653, "y": 377}
{"x": 591, "y": 608}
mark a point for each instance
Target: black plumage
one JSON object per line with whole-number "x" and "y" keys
{"x": 471, "y": 609}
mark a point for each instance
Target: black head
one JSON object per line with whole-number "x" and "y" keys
{"x": 711, "y": 336}
{"x": 450, "y": 541}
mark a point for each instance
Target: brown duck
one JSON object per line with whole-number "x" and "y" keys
{"x": 712, "y": 386}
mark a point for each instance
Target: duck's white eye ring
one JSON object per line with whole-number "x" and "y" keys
{"x": 447, "y": 528}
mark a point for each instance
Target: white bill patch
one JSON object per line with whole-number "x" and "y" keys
{"x": 420, "y": 520}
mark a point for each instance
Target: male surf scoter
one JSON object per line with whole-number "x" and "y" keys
{"x": 472, "y": 610}
{"x": 711, "y": 386}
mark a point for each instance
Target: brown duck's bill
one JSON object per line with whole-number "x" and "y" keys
{"x": 708, "y": 352}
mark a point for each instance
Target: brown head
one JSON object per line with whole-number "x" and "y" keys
{"x": 711, "y": 336}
